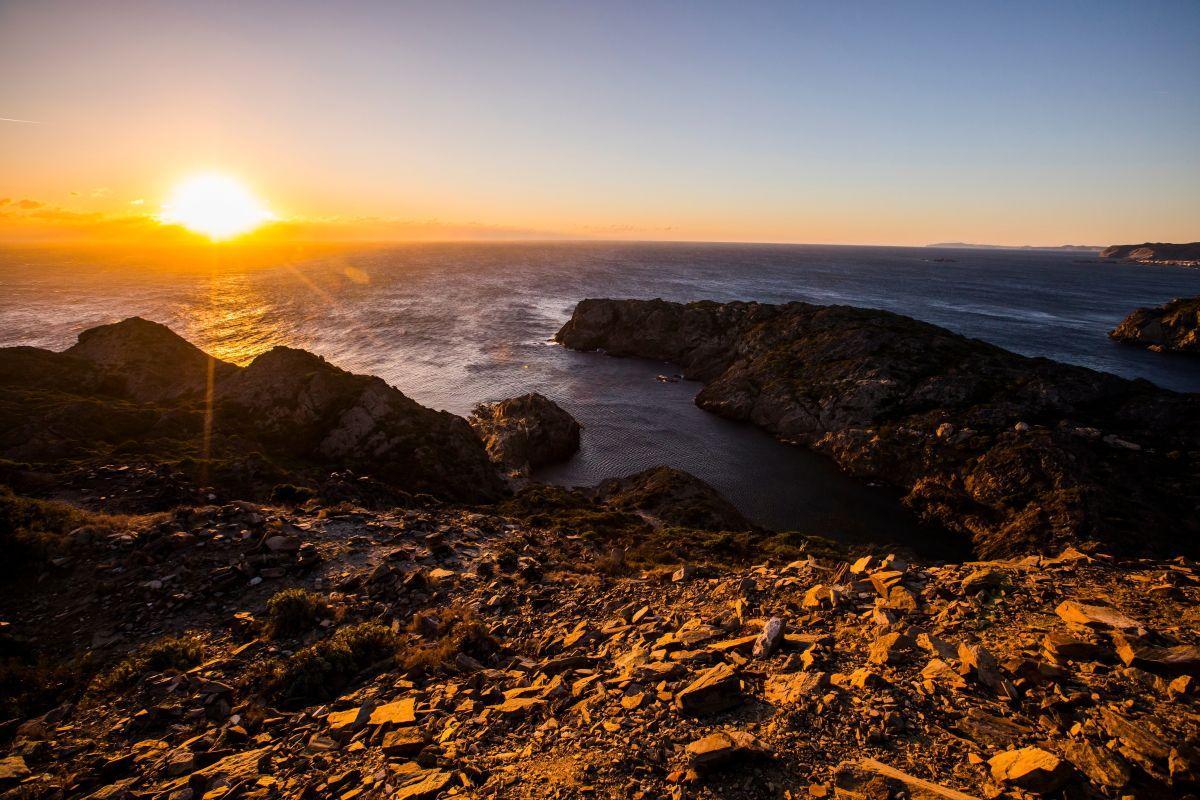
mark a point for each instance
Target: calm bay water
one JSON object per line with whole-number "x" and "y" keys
{"x": 455, "y": 324}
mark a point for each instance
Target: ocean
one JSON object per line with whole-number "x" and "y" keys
{"x": 455, "y": 324}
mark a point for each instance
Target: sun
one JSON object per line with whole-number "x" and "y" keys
{"x": 218, "y": 206}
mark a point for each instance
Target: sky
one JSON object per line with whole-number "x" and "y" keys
{"x": 853, "y": 122}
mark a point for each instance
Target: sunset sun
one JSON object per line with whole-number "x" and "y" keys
{"x": 215, "y": 205}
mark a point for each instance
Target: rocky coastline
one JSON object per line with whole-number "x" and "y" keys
{"x": 286, "y": 581}
{"x": 1173, "y": 327}
{"x": 1184, "y": 255}
{"x": 1018, "y": 454}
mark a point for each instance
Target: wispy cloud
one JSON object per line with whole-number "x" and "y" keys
{"x": 22, "y": 121}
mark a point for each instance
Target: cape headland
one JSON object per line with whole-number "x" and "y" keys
{"x": 1018, "y": 454}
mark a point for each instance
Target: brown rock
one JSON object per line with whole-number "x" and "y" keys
{"x": 403, "y": 742}
{"x": 428, "y": 786}
{"x": 399, "y": 712}
{"x": 793, "y": 688}
{"x": 1183, "y": 658}
{"x": 721, "y": 747}
{"x": 982, "y": 579}
{"x": 1032, "y": 769}
{"x": 12, "y": 770}
{"x": 1102, "y": 766}
{"x": 715, "y": 689}
{"x": 1062, "y": 647}
{"x": 891, "y": 648}
{"x": 1102, "y": 618}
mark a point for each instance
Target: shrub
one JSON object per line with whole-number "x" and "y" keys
{"x": 288, "y": 494}
{"x": 459, "y": 630}
{"x": 168, "y": 652}
{"x": 34, "y": 530}
{"x": 293, "y": 612}
{"x": 322, "y": 670}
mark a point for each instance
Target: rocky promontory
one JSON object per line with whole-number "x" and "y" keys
{"x": 1172, "y": 327}
{"x": 135, "y": 390}
{"x": 1155, "y": 253}
{"x": 1018, "y": 454}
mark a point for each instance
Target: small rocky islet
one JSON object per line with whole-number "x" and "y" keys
{"x": 288, "y": 581}
{"x": 1173, "y": 327}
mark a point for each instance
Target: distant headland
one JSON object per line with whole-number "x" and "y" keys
{"x": 970, "y": 246}
{"x": 1156, "y": 253}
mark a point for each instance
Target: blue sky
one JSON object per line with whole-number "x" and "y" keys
{"x": 854, "y": 122}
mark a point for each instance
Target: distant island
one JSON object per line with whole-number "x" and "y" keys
{"x": 1187, "y": 255}
{"x": 970, "y": 246}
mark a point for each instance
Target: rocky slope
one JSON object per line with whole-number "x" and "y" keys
{"x": 248, "y": 651}
{"x": 1155, "y": 252}
{"x": 1019, "y": 454}
{"x": 137, "y": 389}
{"x": 526, "y": 432}
{"x": 1172, "y": 327}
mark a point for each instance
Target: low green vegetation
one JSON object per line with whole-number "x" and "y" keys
{"x": 456, "y": 630}
{"x": 33, "y": 530}
{"x": 294, "y": 612}
{"x": 168, "y": 652}
{"x": 322, "y": 670}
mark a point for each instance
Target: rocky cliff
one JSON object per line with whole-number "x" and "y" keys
{"x": 1019, "y": 454}
{"x": 138, "y": 390}
{"x": 1172, "y": 327}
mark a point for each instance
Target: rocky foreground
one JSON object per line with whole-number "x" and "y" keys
{"x": 1018, "y": 454}
{"x": 247, "y": 651}
{"x": 1173, "y": 327}
{"x": 175, "y": 624}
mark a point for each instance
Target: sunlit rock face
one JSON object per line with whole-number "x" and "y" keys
{"x": 1018, "y": 454}
{"x": 1172, "y": 327}
{"x": 289, "y": 415}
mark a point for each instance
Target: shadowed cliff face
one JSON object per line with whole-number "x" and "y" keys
{"x": 1019, "y": 454}
{"x": 1172, "y": 327}
{"x": 136, "y": 388}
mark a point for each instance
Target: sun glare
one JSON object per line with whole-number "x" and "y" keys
{"x": 218, "y": 206}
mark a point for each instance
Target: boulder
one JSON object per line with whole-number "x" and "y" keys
{"x": 1032, "y": 769}
{"x": 526, "y": 432}
{"x": 721, "y": 747}
{"x": 715, "y": 689}
{"x": 891, "y": 648}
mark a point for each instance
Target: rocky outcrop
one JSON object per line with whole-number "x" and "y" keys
{"x": 1155, "y": 252}
{"x": 1172, "y": 327}
{"x": 672, "y": 497}
{"x": 526, "y": 432}
{"x": 150, "y": 362}
{"x": 138, "y": 388}
{"x": 1018, "y": 454}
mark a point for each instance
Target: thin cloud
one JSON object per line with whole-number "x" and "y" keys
{"x": 22, "y": 121}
